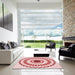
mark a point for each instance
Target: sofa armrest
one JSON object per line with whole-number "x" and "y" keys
{"x": 6, "y": 57}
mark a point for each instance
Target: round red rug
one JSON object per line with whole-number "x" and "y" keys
{"x": 37, "y": 62}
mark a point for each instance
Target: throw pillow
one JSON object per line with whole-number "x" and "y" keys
{"x": 13, "y": 44}
{"x": 9, "y": 46}
{"x": 3, "y": 45}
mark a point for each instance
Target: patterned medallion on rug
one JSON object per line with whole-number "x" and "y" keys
{"x": 37, "y": 62}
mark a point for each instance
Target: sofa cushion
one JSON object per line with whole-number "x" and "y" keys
{"x": 16, "y": 52}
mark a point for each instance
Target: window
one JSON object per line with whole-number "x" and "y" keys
{"x": 40, "y": 23}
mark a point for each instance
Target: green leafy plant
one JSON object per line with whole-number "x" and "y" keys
{"x": 28, "y": 46}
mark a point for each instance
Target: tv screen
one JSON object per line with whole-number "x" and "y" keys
{"x": 6, "y": 17}
{"x": 1, "y": 15}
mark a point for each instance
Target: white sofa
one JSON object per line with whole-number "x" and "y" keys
{"x": 9, "y": 55}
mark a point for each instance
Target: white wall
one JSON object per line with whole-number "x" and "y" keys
{"x": 6, "y": 35}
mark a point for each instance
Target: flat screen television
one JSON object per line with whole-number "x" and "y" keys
{"x": 1, "y": 15}
{"x": 6, "y": 18}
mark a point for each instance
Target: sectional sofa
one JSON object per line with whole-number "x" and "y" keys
{"x": 7, "y": 56}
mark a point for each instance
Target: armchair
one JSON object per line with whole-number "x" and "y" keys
{"x": 68, "y": 52}
{"x": 51, "y": 45}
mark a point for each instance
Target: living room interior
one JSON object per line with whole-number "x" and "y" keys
{"x": 37, "y": 37}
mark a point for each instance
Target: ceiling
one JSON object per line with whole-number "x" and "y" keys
{"x": 34, "y": 4}
{"x": 51, "y": 1}
{"x": 42, "y": 4}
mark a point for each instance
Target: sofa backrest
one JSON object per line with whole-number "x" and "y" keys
{"x": 72, "y": 48}
{"x": 52, "y": 44}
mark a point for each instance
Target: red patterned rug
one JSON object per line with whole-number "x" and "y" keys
{"x": 37, "y": 62}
